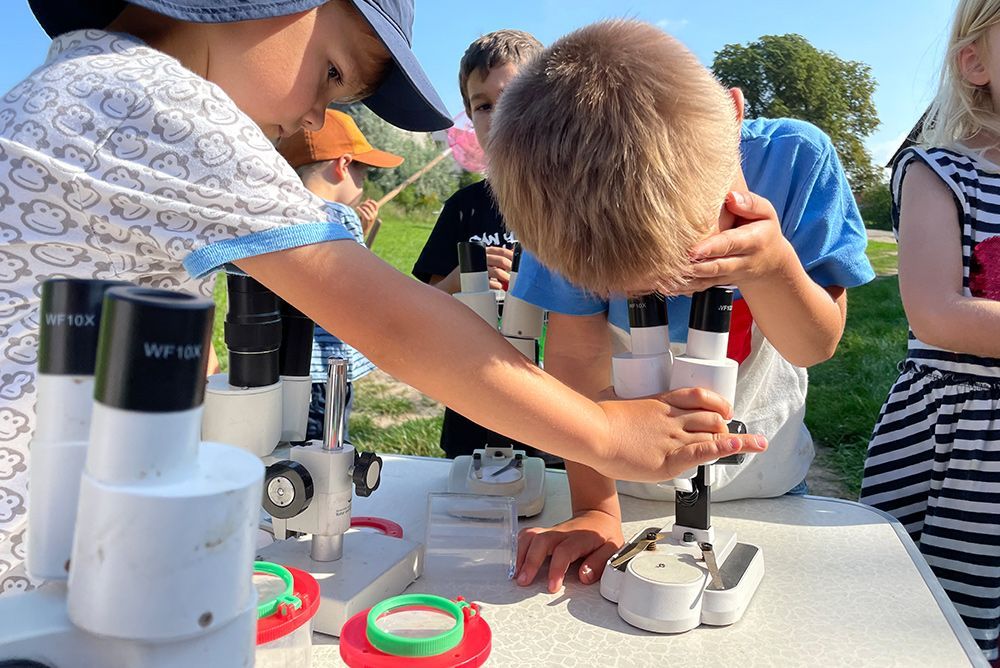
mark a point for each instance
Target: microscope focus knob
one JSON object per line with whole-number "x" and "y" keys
{"x": 735, "y": 427}
{"x": 367, "y": 473}
{"x": 288, "y": 489}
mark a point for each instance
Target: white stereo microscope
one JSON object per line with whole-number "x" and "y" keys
{"x": 153, "y": 528}
{"x": 673, "y": 581}
{"x": 499, "y": 468}
{"x": 264, "y": 401}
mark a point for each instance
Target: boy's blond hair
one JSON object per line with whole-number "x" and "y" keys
{"x": 960, "y": 109}
{"x": 611, "y": 155}
{"x": 495, "y": 49}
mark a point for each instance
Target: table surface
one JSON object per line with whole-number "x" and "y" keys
{"x": 843, "y": 585}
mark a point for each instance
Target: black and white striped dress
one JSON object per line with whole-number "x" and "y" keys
{"x": 934, "y": 458}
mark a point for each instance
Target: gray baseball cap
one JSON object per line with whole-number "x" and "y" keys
{"x": 405, "y": 97}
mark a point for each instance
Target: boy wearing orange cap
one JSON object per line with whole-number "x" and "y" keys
{"x": 333, "y": 163}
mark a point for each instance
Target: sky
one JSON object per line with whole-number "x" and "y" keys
{"x": 901, "y": 40}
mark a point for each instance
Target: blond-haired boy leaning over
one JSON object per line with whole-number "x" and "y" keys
{"x": 616, "y": 159}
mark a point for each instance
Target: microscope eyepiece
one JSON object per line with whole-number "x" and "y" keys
{"x": 295, "y": 353}
{"x": 252, "y": 333}
{"x": 647, "y": 311}
{"x": 471, "y": 257}
{"x": 712, "y": 310}
{"x": 70, "y": 319}
{"x": 153, "y": 349}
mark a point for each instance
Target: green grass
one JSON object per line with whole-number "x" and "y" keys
{"x": 882, "y": 255}
{"x": 402, "y": 237}
{"x": 419, "y": 436}
{"x": 847, "y": 392}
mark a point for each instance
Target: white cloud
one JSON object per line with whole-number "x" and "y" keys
{"x": 883, "y": 150}
{"x": 672, "y": 25}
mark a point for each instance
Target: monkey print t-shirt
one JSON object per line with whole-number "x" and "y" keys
{"x": 118, "y": 163}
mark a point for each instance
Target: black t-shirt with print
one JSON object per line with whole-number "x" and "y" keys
{"x": 470, "y": 214}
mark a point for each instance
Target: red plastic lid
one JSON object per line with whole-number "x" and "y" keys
{"x": 387, "y": 527}
{"x": 287, "y": 619}
{"x": 357, "y": 652}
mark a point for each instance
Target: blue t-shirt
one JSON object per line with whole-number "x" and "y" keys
{"x": 795, "y": 166}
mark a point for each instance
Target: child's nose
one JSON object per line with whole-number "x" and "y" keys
{"x": 314, "y": 120}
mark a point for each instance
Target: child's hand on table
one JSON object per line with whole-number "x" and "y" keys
{"x": 591, "y": 534}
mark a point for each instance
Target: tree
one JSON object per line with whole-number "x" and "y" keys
{"x": 417, "y": 150}
{"x": 785, "y": 75}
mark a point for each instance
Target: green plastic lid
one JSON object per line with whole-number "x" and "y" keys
{"x": 389, "y": 643}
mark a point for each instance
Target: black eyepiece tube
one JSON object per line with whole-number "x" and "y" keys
{"x": 295, "y": 353}
{"x": 647, "y": 311}
{"x": 252, "y": 333}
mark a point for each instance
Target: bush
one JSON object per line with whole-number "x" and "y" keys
{"x": 417, "y": 150}
{"x": 875, "y": 204}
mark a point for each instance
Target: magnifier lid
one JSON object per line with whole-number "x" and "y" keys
{"x": 285, "y": 616}
{"x": 385, "y": 640}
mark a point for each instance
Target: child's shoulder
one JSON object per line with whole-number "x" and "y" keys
{"x": 791, "y": 136}
{"x": 472, "y": 194}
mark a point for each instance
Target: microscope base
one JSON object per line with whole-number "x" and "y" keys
{"x": 669, "y": 589}
{"x": 37, "y": 628}
{"x": 373, "y": 568}
{"x": 528, "y": 490}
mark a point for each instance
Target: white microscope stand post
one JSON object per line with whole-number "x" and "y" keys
{"x": 355, "y": 569}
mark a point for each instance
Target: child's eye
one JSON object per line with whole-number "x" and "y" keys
{"x": 484, "y": 107}
{"x": 333, "y": 74}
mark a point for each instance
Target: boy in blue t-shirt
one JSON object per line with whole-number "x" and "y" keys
{"x": 646, "y": 217}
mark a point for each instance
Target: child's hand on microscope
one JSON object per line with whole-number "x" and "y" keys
{"x": 593, "y": 535}
{"x": 748, "y": 250}
{"x": 499, "y": 261}
{"x": 687, "y": 426}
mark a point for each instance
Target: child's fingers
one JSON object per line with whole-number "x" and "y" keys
{"x": 749, "y": 206}
{"x": 524, "y": 539}
{"x": 499, "y": 251}
{"x": 697, "y": 399}
{"x": 499, "y": 262}
{"x": 704, "y": 422}
{"x": 716, "y": 269}
{"x": 720, "y": 445}
{"x": 742, "y": 240}
{"x": 495, "y": 284}
{"x": 564, "y": 554}
{"x": 500, "y": 274}
{"x": 593, "y": 565}
{"x": 538, "y": 550}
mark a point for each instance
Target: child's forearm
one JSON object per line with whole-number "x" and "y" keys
{"x": 589, "y": 490}
{"x": 803, "y": 321}
{"x": 959, "y": 323}
{"x": 428, "y": 339}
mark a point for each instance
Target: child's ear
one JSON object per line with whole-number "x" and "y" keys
{"x": 739, "y": 102}
{"x": 338, "y": 168}
{"x": 971, "y": 66}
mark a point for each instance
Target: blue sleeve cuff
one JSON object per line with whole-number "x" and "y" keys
{"x": 210, "y": 258}
{"x": 542, "y": 287}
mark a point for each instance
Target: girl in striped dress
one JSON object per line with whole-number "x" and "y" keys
{"x": 934, "y": 458}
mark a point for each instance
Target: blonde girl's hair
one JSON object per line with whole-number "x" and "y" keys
{"x": 961, "y": 110}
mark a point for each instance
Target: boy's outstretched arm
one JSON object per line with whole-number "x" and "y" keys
{"x": 429, "y": 340}
{"x": 578, "y": 352}
{"x": 802, "y": 320}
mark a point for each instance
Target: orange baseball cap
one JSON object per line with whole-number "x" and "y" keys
{"x": 340, "y": 136}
